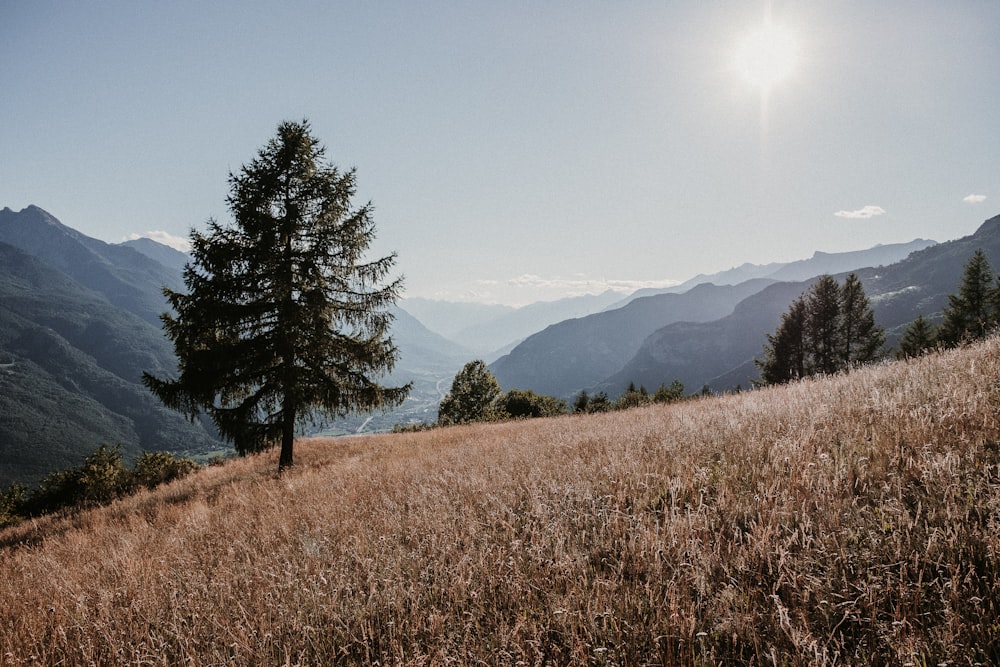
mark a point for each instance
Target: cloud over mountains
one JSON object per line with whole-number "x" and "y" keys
{"x": 175, "y": 242}
{"x": 862, "y": 213}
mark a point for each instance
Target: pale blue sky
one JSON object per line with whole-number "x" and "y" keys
{"x": 517, "y": 151}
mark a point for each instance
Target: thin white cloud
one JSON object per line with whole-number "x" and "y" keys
{"x": 862, "y": 213}
{"x": 175, "y": 242}
{"x": 974, "y": 199}
{"x": 579, "y": 285}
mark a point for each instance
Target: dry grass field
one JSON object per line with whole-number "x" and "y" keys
{"x": 850, "y": 520}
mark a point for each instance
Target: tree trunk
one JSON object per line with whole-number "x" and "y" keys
{"x": 287, "y": 439}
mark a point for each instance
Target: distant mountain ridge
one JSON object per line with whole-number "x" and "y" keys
{"x": 70, "y": 377}
{"x": 126, "y": 277}
{"x": 489, "y": 330}
{"x": 803, "y": 269}
{"x": 576, "y": 354}
{"x": 171, "y": 258}
{"x": 721, "y": 353}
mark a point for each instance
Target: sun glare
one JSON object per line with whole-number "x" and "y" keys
{"x": 767, "y": 55}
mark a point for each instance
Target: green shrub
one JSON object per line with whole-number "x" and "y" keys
{"x": 102, "y": 478}
{"x": 12, "y": 504}
{"x": 155, "y": 468}
{"x": 524, "y": 404}
{"x": 665, "y": 394}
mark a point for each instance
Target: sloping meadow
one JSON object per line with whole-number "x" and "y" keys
{"x": 847, "y": 520}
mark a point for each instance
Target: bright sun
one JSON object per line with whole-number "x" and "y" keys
{"x": 767, "y": 55}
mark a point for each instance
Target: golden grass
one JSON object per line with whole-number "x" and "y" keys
{"x": 848, "y": 520}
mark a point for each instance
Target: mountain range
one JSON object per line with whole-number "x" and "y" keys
{"x": 802, "y": 269}
{"x": 79, "y": 323}
{"x": 721, "y": 354}
{"x": 70, "y": 374}
{"x": 609, "y": 350}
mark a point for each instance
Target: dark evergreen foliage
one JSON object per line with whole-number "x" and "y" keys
{"x": 826, "y": 330}
{"x": 100, "y": 479}
{"x": 785, "y": 358}
{"x": 918, "y": 338}
{"x": 972, "y": 312}
{"x": 284, "y": 317}
{"x": 823, "y": 330}
{"x": 861, "y": 338}
{"x": 669, "y": 394}
{"x": 525, "y": 404}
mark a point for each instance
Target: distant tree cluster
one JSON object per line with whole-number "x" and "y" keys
{"x": 632, "y": 398}
{"x": 971, "y": 314}
{"x": 101, "y": 478}
{"x": 476, "y": 396}
{"x": 827, "y": 329}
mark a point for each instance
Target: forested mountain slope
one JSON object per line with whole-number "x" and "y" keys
{"x": 721, "y": 353}
{"x": 70, "y": 375}
{"x": 576, "y": 354}
{"x": 126, "y": 277}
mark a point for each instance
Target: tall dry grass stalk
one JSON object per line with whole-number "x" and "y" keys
{"x": 848, "y": 520}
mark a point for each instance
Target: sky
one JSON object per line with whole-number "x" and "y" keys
{"x": 521, "y": 151}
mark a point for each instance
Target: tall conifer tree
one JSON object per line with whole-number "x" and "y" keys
{"x": 785, "y": 352}
{"x": 970, "y": 313}
{"x": 825, "y": 330}
{"x": 284, "y": 315}
{"x": 860, "y": 337}
{"x": 917, "y": 339}
{"x": 823, "y": 325}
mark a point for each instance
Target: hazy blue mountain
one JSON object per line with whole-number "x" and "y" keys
{"x": 70, "y": 368}
{"x": 491, "y": 330}
{"x": 492, "y": 339}
{"x": 840, "y": 262}
{"x": 803, "y": 269}
{"x": 448, "y": 318}
{"x": 696, "y": 353}
{"x": 123, "y": 275}
{"x": 721, "y": 353}
{"x": 169, "y": 257}
{"x": 576, "y": 354}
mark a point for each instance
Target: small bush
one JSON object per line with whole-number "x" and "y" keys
{"x": 155, "y": 468}
{"x": 525, "y": 404}
{"x": 102, "y": 478}
{"x": 12, "y": 504}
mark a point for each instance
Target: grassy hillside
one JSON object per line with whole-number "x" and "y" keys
{"x": 850, "y": 520}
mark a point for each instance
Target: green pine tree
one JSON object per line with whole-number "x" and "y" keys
{"x": 785, "y": 351}
{"x": 917, "y": 339}
{"x": 825, "y": 330}
{"x": 970, "y": 314}
{"x": 823, "y": 326}
{"x": 284, "y": 316}
{"x": 861, "y": 338}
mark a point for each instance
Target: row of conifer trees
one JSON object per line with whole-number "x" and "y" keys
{"x": 831, "y": 327}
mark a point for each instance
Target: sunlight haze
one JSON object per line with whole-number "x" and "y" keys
{"x": 517, "y": 152}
